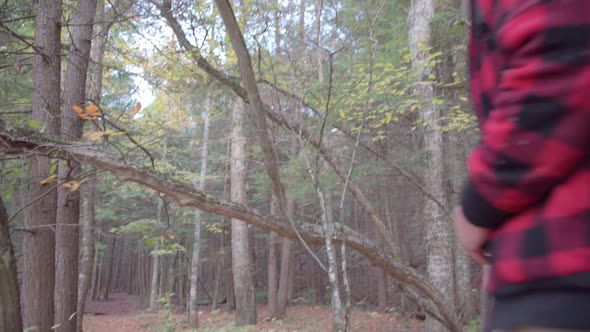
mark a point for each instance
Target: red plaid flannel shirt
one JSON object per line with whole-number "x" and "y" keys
{"x": 530, "y": 174}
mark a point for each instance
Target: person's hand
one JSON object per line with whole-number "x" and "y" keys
{"x": 472, "y": 238}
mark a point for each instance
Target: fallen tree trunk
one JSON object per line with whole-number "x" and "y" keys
{"x": 18, "y": 140}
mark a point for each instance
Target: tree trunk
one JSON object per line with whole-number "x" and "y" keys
{"x": 285, "y": 282}
{"x": 39, "y": 244}
{"x": 438, "y": 231}
{"x": 218, "y": 267}
{"x": 88, "y": 247}
{"x": 318, "y": 50}
{"x": 94, "y": 92}
{"x": 96, "y": 270}
{"x": 226, "y": 243}
{"x": 169, "y": 287}
{"x": 131, "y": 271}
{"x": 291, "y": 286}
{"x": 119, "y": 254}
{"x": 465, "y": 300}
{"x": 329, "y": 230}
{"x": 273, "y": 260}
{"x": 68, "y": 201}
{"x": 155, "y": 273}
{"x": 381, "y": 290}
{"x": 194, "y": 297}
{"x": 241, "y": 265}
{"x": 286, "y": 271}
{"x": 109, "y": 272}
{"x": 230, "y": 293}
{"x": 10, "y": 315}
{"x": 313, "y": 280}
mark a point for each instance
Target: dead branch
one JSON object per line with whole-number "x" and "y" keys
{"x": 19, "y": 140}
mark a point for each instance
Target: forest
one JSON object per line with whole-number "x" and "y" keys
{"x": 234, "y": 161}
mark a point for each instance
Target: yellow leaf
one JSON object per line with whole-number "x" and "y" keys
{"x": 87, "y": 134}
{"x": 75, "y": 187}
{"x": 92, "y": 109}
{"x": 49, "y": 179}
{"x": 95, "y": 136}
{"x": 78, "y": 109}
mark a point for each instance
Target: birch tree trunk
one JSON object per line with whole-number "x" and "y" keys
{"x": 154, "y": 288}
{"x": 439, "y": 263}
{"x": 10, "y": 315}
{"x": 88, "y": 247}
{"x": 241, "y": 265}
{"x": 39, "y": 245}
{"x": 193, "y": 308}
{"x": 329, "y": 229}
{"x": 155, "y": 268}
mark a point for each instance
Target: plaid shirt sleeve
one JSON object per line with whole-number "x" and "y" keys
{"x": 535, "y": 96}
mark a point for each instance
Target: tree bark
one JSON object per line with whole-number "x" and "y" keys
{"x": 241, "y": 264}
{"x": 218, "y": 267}
{"x": 39, "y": 245}
{"x": 109, "y": 273}
{"x": 381, "y": 290}
{"x": 155, "y": 273}
{"x": 193, "y": 308}
{"x": 21, "y": 140}
{"x": 226, "y": 243}
{"x": 438, "y": 231}
{"x": 286, "y": 268}
{"x": 68, "y": 202}
{"x": 96, "y": 267}
{"x": 10, "y": 315}
{"x": 93, "y": 92}
{"x": 329, "y": 231}
{"x": 273, "y": 265}
{"x": 157, "y": 260}
{"x": 88, "y": 247}
{"x": 465, "y": 299}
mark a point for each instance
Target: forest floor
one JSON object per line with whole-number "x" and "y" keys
{"x": 124, "y": 313}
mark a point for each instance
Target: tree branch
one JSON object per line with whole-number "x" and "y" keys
{"x": 19, "y": 140}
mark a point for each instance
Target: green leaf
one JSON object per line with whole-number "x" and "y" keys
{"x": 53, "y": 168}
{"x": 34, "y": 124}
{"x": 6, "y": 258}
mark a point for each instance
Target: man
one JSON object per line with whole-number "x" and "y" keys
{"x": 526, "y": 207}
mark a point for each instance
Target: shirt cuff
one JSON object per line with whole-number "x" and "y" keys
{"x": 479, "y": 211}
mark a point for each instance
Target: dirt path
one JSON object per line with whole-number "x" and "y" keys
{"x": 123, "y": 313}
